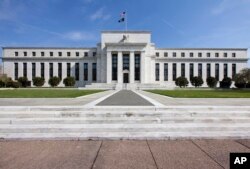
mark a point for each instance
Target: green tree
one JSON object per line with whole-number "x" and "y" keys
{"x": 54, "y": 81}
{"x": 181, "y": 82}
{"x": 69, "y": 81}
{"x": 38, "y": 81}
{"x": 239, "y": 81}
{"x": 226, "y": 82}
{"x": 197, "y": 81}
{"x": 23, "y": 81}
{"x": 211, "y": 82}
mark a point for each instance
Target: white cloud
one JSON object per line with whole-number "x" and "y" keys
{"x": 80, "y": 35}
{"x": 100, "y": 14}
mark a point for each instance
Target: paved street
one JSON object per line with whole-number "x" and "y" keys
{"x": 197, "y": 154}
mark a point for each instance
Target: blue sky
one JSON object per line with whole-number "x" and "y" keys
{"x": 174, "y": 23}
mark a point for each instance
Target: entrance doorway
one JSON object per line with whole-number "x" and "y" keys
{"x": 125, "y": 78}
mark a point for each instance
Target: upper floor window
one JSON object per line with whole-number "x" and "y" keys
{"x": 94, "y": 54}
{"x": 182, "y": 54}
{"x": 208, "y": 55}
{"x": 191, "y": 54}
{"x": 233, "y": 55}
{"x": 157, "y": 54}
{"x": 165, "y": 54}
{"x": 199, "y": 54}
{"x": 59, "y": 53}
{"x": 51, "y": 53}
{"x": 33, "y": 53}
{"x": 24, "y": 53}
{"x": 77, "y": 54}
{"x": 225, "y": 55}
{"x": 42, "y": 53}
{"x": 16, "y": 53}
{"x": 68, "y": 53}
{"x": 217, "y": 55}
{"x": 174, "y": 54}
{"x": 86, "y": 54}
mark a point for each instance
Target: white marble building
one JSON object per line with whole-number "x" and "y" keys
{"x": 123, "y": 59}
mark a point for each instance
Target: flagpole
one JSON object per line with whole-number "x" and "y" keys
{"x": 126, "y": 21}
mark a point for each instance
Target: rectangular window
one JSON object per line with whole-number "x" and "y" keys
{"x": 225, "y": 70}
{"x": 42, "y": 70}
{"x": 174, "y": 71}
{"x": 200, "y": 69}
{"x": 191, "y": 54}
{"x": 24, "y": 69}
{"x": 33, "y": 70}
{"x": 208, "y": 70}
{"x": 42, "y": 53}
{"x": 233, "y": 55}
{"x": 16, "y": 53}
{"x": 233, "y": 70}
{"x": 183, "y": 70}
{"x": 217, "y": 55}
{"x": 217, "y": 71}
{"x": 50, "y": 70}
{"x": 137, "y": 66}
{"x": 94, "y": 54}
{"x": 94, "y": 71}
{"x": 77, "y": 54}
{"x": 77, "y": 71}
{"x": 16, "y": 71}
{"x": 85, "y": 67}
{"x": 182, "y": 54}
{"x": 165, "y": 72}
{"x": 191, "y": 71}
{"x": 174, "y": 54}
{"x": 68, "y": 54}
{"x": 208, "y": 55}
{"x": 59, "y": 53}
{"x": 24, "y": 53}
{"x": 51, "y": 54}
{"x": 60, "y": 70}
{"x": 225, "y": 55}
{"x": 200, "y": 55}
{"x": 165, "y": 54}
{"x": 86, "y": 54}
{"x": 33, "y": 53}
{"x": 157, "y": 54}
{"x": 68, "y": 69}
{"x": 157, "y": 71}
{"x": 125, "y": 61}
{"x": 114, "y": 67}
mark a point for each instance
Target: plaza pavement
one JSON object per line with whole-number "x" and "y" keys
{"x": 182, "y": 154}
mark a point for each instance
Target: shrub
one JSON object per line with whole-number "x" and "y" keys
{"x": 69, "y": 81}
{"x": 211, "y": 82}
{"x": 2, "y": 83}
{"x": 248, "y": 85}
{"x": 181, "y": 82}
{"x": 54, "y": 81}
{"x": 38, "y": 81}
{"x": 197, "y": 81}
{"x": 226, "y": 82}
{"x": 23, "y": 81}
{"x": 240, "y": 81}
{"x": 13, "y": 84}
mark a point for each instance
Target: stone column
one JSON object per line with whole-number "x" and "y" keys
{"x": 119, "y": 68}
{"x": 81, "y": 72}
{"x": 38, "y": 69}
{"x": 64, "y": 70}
{"x": 221, "y": 65}
{"x": 195, "y": 69}
{"x": 229, "y": 70}
{"x": 204, "y": 72}
{"x": 170, "y": 72}
{"x": 46, "y": 73}
{"x": 29, "y": 71}
{"x": 90, "y": 72}
{"x": 187, "y": 71}
{"x": 142, "y": 71}
{"x": 109, "y": 66}
{"x": 132, "y": 67}
{"x": 212, "y": 69}
{"x": 178, "y": 70}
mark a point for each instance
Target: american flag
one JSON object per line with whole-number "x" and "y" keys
{"x": 122, "y": 17}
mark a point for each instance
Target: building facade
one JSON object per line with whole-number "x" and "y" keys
{"x": 123, "y": 58}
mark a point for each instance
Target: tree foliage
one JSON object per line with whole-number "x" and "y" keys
{"x": 38, "y": 81}
{"x": 197, "y": 81}
{"x": 181, "y": 82}
{"x": 212, "y": 82}
{"x": 69, "y": 81}
{"x": 54, "y": 81}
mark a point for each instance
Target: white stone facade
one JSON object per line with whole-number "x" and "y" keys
{"x": 118, "y": 53}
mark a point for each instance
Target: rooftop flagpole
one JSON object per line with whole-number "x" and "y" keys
{"x": 126, "y": 21}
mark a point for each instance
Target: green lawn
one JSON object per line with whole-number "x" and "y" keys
{"x": 204, "y": 93}
{"x": 45, "y": 93}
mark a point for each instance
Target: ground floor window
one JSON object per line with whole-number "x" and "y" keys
{"x": 200, "y": 69}
{"x": 217, "y": 71}
{"x": 50, "y": 70}
{"x": 225, "y": 70}
{"x": 191, "y": 70}
{"x": 16, "y": 71}
{"x": 137, "y": 66}
{"x": 42, "y": 70}
{"x": 77, "y": 71}
{"x": 125, "y": 61}
{"x": 25, "y": 69}
{"x": 208, "y": 70}
{"x": 165, "y": 72}
{"x": 94, "y": 71}
{"x": 33, "y": 70}
{"x": 174, "y": 71}
{"x": 233, "y": 70}
{"x": 68, "y": 69}
{"x": 114, "y": 67}
{"x": 60, "y": 70}
{"x": 85, "y": 69}
{"x": 183, "y": 70}
{"x": 157, "y": 71}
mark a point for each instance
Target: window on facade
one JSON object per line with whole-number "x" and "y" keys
{"x": 233, "y": 70}
{"x": 199, "y": 54}
{"x": 33, "y": 70}
{"x": 59, "y": 53}
{"x": 42, "y": 53}
{"x": 174, "y": 71}
{"x": 191, "y": 70}
{"x": 77, "y": 71}
{"x": 233, "y": 55}
{"x": 191, "y": 54}
{"x": 157, "y": 72}
{"x": 94, "y": 54}
{"x": 137, "y": 66}
{"x": 42, "y": 70}
{"x": 225, "y": 70}
{"x": 68, "y": 54}
{"x": 114, "y": 67}
{"x": 50, "y": 70}
{"x": 94, "y": 71}
{"x": 182, "y": 54}
{"x": 200, "y": 69}
{"x": 24, "y": 69}
{"x": 217, "y": 55}
{"x": 217, "y": 71}
{"x": 77, "y": 54}
{"x": 208, "y": 70}
{"x": 86, "y": 54}
{"x": 60, "y": 70}
{"x": 165, "y": 54}
{"x": 157, "y": 54}
{"x": 51, "y": 54}
{"x": 225, "y": 55}
{"x": 174, "y": 54}
{"x": 24, "y": 53}
{"x": 68, "y": 69}
{"x": 183, "y": 70}
{"x": 125, "y": 61}
{"x": 33, "y": 53}
{"x": 208, "y": 55}
{"x": 165, "y": 72}
{"x": 16, "y": 53}
{"x": 85, "y": 69}
{"x": 16, "y": 71}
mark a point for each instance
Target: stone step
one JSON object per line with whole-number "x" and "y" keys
{"x": 124, "y": 120}
{"x": 127, "y": 135}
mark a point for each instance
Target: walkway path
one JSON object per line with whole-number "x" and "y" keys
{"x": 125, "y": 98}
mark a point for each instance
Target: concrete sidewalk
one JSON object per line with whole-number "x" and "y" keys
{"x": 195, "y": 154}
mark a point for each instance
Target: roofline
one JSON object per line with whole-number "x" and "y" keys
{"x": 241, "y": 49}
{"x": 114, "y": 31}
{"x": 79, "y": 48}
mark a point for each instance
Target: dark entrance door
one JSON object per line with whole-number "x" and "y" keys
{"x": 125, "y": 78}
